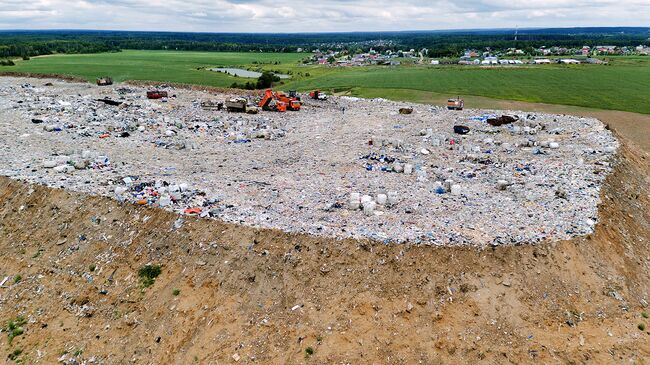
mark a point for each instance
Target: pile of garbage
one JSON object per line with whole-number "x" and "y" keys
{"x": 341, "y": 167}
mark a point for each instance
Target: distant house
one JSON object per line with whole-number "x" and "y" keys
{"x": 585, "y": 50}
{"x": 606, "y": 49}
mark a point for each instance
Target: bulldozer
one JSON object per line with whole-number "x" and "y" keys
{"x": 455, "y": 104}
{"x": 278, "y": 101}
{"x": 104, "y": 81}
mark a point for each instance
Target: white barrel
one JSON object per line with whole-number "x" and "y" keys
{"x": 408, "y": 169}
{"x": 366, "y": 198}
{"x": 369, "y": 208}
{"x": 382, "y": 199}
{"x": 392, "y": 197}
{"x": 455, "y": 189}
{"x": 554, "y": 145}
{"x": 502, "y": 184}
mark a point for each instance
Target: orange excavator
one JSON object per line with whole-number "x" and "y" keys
{"x": 278, "y": 101}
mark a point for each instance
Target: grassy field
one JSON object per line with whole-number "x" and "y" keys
{"x": 167, "y": 66}
{"x": 617, "y": 87}
{"x": 624, "y": 84}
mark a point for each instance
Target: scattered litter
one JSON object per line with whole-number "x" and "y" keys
{"x": 439, "y": 179}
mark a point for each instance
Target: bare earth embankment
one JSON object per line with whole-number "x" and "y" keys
{"x": 253, "y": 295}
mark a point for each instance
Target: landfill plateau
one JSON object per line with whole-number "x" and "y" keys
{"x": 93, "y": 272}
{"x": 343, "y": 167}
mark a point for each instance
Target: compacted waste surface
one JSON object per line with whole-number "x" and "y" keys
{"x": 342, "y": 167}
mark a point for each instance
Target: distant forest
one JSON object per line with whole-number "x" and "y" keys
{"x": 440, "y": 43}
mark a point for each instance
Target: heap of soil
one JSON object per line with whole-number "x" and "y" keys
{"x": 230, "y": 294}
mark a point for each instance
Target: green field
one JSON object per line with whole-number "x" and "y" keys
{"x": 167, "y": 66}
{"x": 624, "y": 84}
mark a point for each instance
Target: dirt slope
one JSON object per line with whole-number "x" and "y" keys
{"x": 570, "y": 302}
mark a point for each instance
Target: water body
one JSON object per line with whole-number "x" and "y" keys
{"x": 244, "y": 73}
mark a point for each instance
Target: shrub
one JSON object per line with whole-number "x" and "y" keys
{"x": 14, "y": 355}
{"x": 14, "y": 328}
{"x": 176, "y": 292}
{"x": 148, "y": 274}
{"x": 641, "y": 326}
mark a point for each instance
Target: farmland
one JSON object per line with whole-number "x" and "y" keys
{"x": 579, "y": 85}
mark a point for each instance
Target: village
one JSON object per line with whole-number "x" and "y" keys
{"x": 488, "y": 57}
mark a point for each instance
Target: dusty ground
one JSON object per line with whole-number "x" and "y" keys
{"x": 573, "y": 302}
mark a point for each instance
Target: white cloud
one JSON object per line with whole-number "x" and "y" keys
{"x": 316, "y": 16}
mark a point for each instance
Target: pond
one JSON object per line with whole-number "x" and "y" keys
{"x": 244, "y": 73}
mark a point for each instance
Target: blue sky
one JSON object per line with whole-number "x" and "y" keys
{"x": 317, "y": 16}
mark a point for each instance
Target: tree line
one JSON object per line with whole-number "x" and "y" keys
{"x": 439, "y": 43}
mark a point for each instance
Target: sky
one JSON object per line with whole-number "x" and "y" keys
{"x": 318, "y": 15}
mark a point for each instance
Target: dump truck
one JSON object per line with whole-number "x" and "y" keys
{"x": 104, "y": 81}
{"x": 293, "y": 103}
{"x": 455, "y": 104}
{"x": 318, "y": 95}
{"x": 236, "y": 105}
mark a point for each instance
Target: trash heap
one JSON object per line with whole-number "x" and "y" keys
{"x": 341, "y": 167}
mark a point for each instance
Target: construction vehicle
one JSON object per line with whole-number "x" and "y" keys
{"x": 236, "y": 105}
{"x": 269, "y": 102}
{"x": 211, "y": 105}
{"x": 293, "y": 103}
{"x": 455, "y": 104}
{"x": 156, "y": 94}
{"x": 104, "y": 81}
{"x": 406, "y": 110}
{"x": 279, "y": 101}
{"x": 318, "y": 95}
